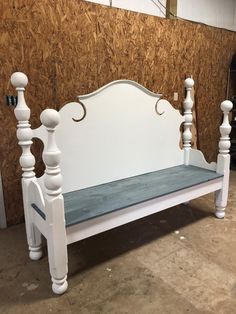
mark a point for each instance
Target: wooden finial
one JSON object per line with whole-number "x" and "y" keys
{"x": 19, "y": 80}
{"x": 225, "y": 128}
{"x": 51, "y": 155}
{"x": 188, "y": 104}
{"x": 24, "y": 133}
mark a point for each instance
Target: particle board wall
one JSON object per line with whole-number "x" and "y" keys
{"x": 73, "y": 47}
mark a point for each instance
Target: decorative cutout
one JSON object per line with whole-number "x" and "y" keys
{"x": 85, "y": 112}
{"x": 159, "y": 113}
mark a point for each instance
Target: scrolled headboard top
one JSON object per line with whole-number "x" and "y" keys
{"x": 120, "y": 130}
{"x": 121, "y": 82}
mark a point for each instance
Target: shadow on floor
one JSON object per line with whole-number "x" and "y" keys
{"x": 107, "y": 245}
{"x": 27, "y": 282}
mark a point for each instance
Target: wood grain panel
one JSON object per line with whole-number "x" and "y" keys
{"x": 25, "y": 46}
{"x": 71, "y": 47}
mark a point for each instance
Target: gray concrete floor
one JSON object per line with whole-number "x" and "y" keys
{"x": 182, "y": 260}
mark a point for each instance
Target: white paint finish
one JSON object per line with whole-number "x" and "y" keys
{"x": 40, "y": 223}
{"x": 143, "y": 6}
{"x": 33, "y": 235}
{"x": 36, "y": 195}
{"x": 27, "y": 161}
{"x": 225, "y": 128}
{"x": 221, "y": 196}
{"x": 54, "y": 204}
{"x": 57, "y": 243}
{"x": 51, "y": 154}
{"x": 114, "y": 133}
{"x": 104, "y": 2}
{"x": 120, "y": 82}
{"x": 196, "y": 158}
{"x": 3, "y": 221}
{"x": 188, "y": 118}
{"x": 118, "y": 218}
{"x": 216, "y": 13}
{"x": 223, "y": 160}
{"x": 121, "y": 123}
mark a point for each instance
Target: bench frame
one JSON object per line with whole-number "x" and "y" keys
{"x": 46, "y": 192}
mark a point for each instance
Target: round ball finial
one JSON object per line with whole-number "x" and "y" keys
{"x": 19, "y": 80}
{"x": 50, "y": 118}
{"x": 226, "y": 105}
{"x": 188, "y": 83}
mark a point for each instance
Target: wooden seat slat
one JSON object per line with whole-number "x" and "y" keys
{"x": 95, "y": 201}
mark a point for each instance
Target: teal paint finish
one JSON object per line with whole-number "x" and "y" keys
{"x": 102, "y": 199}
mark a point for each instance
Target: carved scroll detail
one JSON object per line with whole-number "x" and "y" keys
{"x": 156, "y": 109}
{"x": 84, "y": 114}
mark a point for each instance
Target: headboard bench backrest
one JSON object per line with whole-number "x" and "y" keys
{"x": 119, "y": 131}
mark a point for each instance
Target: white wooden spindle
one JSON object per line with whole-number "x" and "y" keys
{"x": 24, "y": 132}
{"x": 54, "y": 204}
{"x": 225, "y": 128}
{"x": 51, "y": 155}
{"x": 27, "y": 161}
{"x": 188, "y": 104}
{"x": 223, "y": 160}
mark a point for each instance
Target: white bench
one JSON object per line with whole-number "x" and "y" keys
{"x": 111, "y": 158}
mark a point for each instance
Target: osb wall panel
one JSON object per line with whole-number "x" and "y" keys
{"x": 71, "y": 47}
{"x": 25, "y": 46}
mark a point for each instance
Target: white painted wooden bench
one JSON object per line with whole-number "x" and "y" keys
{"x": 111, "y": 158}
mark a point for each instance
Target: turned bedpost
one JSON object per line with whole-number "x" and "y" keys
{"x": 27, "y": 161}
{"x": 188, "y": 118}
{"x": 54, "y": 204}
{"x": 225, "y": 129}
{"x": 223, "y": 159}
{"x": 51, "y": 154}
{"x": 24, "y": 133}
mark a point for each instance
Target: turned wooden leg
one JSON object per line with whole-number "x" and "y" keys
{"x": 34, "y": 241}
{"x": 34, "y": 236}
{"x": 220, "y": 202}
{"x": 59, "y": 286}
{"x": 220, "y": 212}
{"x": 57, "y": 255}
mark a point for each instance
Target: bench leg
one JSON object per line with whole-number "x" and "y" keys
{"x": 221, "y": 197}
{"x": 57, "y": 246}
{"x": 57, "y": 255}
{"x": 34, "y": 238}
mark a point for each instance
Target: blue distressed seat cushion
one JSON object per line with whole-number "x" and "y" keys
{"x": 102, "y": 199}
